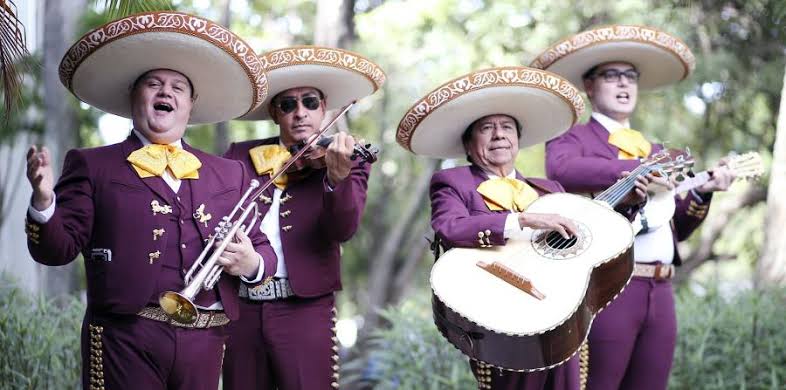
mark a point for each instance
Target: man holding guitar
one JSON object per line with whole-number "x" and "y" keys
{"x": 487, "y": 116}
{"x": 631, "y": 343}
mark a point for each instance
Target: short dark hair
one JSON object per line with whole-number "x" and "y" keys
{"x": 466, "y": 136}
{"x": 591, "y": 72}
{"x": 142, "y": 76}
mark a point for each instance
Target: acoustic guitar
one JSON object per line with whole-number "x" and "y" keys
{"x": 528, "y": 305}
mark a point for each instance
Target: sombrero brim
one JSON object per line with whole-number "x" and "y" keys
{"x": 341, "y": 75}
{"x": 660, "y": 58}
{"x": 227, "y": 76}
{"x": 544, "y": 104}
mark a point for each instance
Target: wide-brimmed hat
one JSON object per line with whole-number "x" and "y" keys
{"x": 227, "y": 76}
{"x": 341, "y": 75}
{"x": 543, "y": 103}
{"x": 660, "y": 58}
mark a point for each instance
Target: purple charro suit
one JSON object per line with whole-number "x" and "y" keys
{"x": 458, "y": 215}
{"x": 289, "y": 343}
{"x": 103, "y": 205}
{"x": 632, "y": 341}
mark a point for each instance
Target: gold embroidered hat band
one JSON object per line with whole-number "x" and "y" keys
{"x": 543, "y": 103}
{"x": 341, "y": 75}
{"x": 660, "y": 58}
{"x": 227, "y": 76}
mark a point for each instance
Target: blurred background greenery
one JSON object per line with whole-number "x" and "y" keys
{"x": 731, "y": 310}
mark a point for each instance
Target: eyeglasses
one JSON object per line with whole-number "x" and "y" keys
{"x": 289, "y": 104}
{"x": 614, "y": 75}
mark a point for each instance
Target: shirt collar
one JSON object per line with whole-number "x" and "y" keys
{"x": 511, "y": 175}
{"x": 609, "y": 124}
{"x": 178, "y": 143}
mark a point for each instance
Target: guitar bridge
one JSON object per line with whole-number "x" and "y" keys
{"x": 512, "y": 277}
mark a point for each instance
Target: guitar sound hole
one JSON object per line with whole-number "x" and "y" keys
{"x": 554, "y": 240}
{"x": 550, "y": 244}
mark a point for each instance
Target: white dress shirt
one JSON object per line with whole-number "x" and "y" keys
{"x": 657, "y": 243}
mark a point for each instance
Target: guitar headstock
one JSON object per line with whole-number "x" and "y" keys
{"x": 747, "y": 166}
{"x": 668, "y": 162}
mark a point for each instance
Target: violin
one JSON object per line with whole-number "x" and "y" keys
{"x": 314, "y": 157}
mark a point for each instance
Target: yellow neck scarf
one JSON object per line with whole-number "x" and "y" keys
{"x": 505, "y": 193}
{"x": 631, "y": 143}
{"x": 154, "y": 159}
{"x": 268, "y": 159}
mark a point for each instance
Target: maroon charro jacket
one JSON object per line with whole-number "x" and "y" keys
{"x": 459, "y": 213}
{"x": 102, "y": 203}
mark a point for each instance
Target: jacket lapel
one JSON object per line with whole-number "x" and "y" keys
{"x": 603, "y": 136}
{"x": 204, "y": 219}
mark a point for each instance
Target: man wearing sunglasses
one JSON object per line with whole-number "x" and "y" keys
{"x": 632, "y": 341}
{"x": 286, "y": 336}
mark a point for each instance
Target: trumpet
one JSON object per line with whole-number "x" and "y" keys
{"x": 206, "y": 271}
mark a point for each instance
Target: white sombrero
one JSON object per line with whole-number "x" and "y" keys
{"x": 227, "y": 76}
{"x": 544, "y": 104}
{"x": 341, "y": 75}
{"x": 660, "y": 58}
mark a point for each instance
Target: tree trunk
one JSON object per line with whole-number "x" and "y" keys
{"x": 771, "y": 268}
{"x": 335, "y": 23}
{"x": 383, "y": 271}
{"x": 221, "y": 140}
{"x": 61, "y": 126}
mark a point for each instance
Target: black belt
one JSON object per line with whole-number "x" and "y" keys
{"x": 268, "y": 291}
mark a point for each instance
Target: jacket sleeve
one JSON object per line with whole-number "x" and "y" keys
{"x": 567, "y": 163}
{"x": 453, "y": 223}
{"x": 62, "y": 237}
{"x": 342, "y": 207}
{"x": 690, "y": 213}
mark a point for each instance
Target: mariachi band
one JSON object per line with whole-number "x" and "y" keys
{"x": 202, "y": 267}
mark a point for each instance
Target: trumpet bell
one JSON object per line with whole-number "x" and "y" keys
{"x": 178, "y": 307}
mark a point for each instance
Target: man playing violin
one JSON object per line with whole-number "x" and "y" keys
{"x": 286, "y": 336}
{"x": 484, "y": 204}
{"x": 632, "y": 341}
{"x": 139, "y": 211}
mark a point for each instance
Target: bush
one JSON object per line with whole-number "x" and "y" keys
{"x": 737, "y": 343}
{"x": 411, "y": 354}
{"x": 39, "y": 339}
{"x": 734, "y": 343}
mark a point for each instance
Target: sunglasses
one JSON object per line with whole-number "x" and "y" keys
{"x": 614, "y": 75}
{"x": 289, "y": 104}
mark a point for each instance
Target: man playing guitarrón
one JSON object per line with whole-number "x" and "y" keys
{"x": 484, "y": 204}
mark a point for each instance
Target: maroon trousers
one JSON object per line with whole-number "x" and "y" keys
{"x": 562, "y": 377}
{"x": 286, "y": 344}
{"x": 631, "y": 343}
{"x": 131, "y": 352}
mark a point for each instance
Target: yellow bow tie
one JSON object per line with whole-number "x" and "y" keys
{"x": 631, "y": 143}
{"x": 268, "y": 159}
{"x": 153, "y": 160}
{"x": 505, "y": 193}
